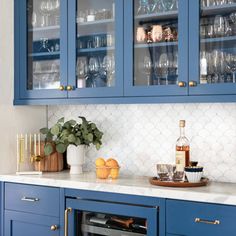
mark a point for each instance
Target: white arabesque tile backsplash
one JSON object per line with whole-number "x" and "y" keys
{"x": 139, "y": 136}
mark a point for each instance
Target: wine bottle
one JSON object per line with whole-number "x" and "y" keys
{"x": 182, "y": 147}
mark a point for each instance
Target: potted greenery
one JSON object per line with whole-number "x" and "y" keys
{"x": 73, "y": 137}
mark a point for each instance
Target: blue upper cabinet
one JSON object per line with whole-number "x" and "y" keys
{"x": 212, "y": 41}
{"x": 40, "y": 49}
{"x": 95, "y": 48}
{"x": 156, "y": 47}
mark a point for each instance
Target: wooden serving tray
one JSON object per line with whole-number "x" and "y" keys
{"x": 156, "y": 181}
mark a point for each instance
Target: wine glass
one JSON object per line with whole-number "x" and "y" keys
{"x": 219, "y": 26}
{"x": 147, "y": 67}
{"x": 44, "y": 45}
{"x": 168, "y": 5}
{"x": 231, "y": 64}
{"x": 93, "y": 70}
{"x": 228, "y": 28}
{"x": 82, "y": 72}
{"x": 156, "y": 6}
{"x": 108, "y": 67}
{"x": 164, "y": 65}
{"x": 144, "y": 7}
{"x": 46, "y": 7}
{"x": 34, "y": 19}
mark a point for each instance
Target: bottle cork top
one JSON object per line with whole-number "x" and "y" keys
{"x": 182, "y": 123}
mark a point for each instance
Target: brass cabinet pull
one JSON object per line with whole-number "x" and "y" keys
{"x": 67, "y": 211}
{"x": 215, "y": 222}
{"x": 54, "y": 228}
{"x": 29, "y": 199}
{"x": 69, "y": 88}
{"x": 62, "y": 88}
{"x": 192, "y": 83}
{"x": 181, "y": 84}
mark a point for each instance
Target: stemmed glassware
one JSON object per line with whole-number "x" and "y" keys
{"x": 94, "y": 68}
{"x": 147, "y": 67}
{"x": 164, "y": 65}
{"x": 108, "y": 67}
{"x": 82, "y": 72}
{"x": 219, "y": 26}
{"x": 231, "y": 64}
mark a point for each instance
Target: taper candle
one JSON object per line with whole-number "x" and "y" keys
{"x": 39, "y": 143}
{"x": 35, "y": 150}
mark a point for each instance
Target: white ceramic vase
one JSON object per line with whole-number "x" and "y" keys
{"x": 75, "y": 158}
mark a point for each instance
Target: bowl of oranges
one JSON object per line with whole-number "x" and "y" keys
{"x": 107, "y": 168}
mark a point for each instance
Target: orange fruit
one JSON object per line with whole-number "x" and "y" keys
{"x": 112, "y": 163}
{"x": 103, "y": 172}
{"x": 114, "y": 173}
{"x": 100, "y": 162}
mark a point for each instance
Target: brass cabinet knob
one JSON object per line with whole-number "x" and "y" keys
{"x": 62, "y": 88}
{"x": 69, "y": 88}
{"x": 192, "y": 83}
{"x": 181, "y": 84}
{"x": 54, "y": 227}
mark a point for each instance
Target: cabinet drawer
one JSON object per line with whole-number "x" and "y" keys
{"x": 32, "y": 199}
{"x": 194, "y": 219}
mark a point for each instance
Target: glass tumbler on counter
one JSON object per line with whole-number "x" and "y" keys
{"x": 165, "y": 171}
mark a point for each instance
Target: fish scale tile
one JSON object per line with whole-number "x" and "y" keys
{"x": 139, "y": 136}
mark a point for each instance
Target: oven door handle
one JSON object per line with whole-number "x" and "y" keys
{"x": 67, "y": 211}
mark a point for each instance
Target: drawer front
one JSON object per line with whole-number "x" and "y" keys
{"x": 32, "y": 199}
{"x": 194, "y": 219}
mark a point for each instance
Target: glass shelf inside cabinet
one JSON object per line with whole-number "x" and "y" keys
{"x": 155, "y": 42}
{"x": 217, "y": 42}
{"x": 95, "y": 66}
{"x": 43, "y": 44}
{"x": 91, "y": 223}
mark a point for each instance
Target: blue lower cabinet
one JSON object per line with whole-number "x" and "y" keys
{"x": 24, "y": 224}
{"x": 195, "y": 219}
{"x": 110, "y": 218}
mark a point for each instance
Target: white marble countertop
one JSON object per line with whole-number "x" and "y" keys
{"x": 222, "y": 193}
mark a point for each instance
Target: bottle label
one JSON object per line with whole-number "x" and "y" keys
{"x": 180, "y": 157}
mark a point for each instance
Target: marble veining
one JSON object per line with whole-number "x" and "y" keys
{"x": 221, "y": 193}
{"x": 140, "y": 136}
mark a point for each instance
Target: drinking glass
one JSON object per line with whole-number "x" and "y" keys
{"x": 219, "y": 26}
{"x": 46, "y": 8}
{"x": 34, "y": 19}
{"x": 82, "y": 72}
{"x": 107, "y": 66}
{"x": 93, "y": 70}
{"x": 144, "y": 7}
{"x": 147, "y": 67}
{"x": 231, "y": 64}
{"x": 228, "y": 28}
{"x": 168, "y": 5}
{"x": 210, "y": 31}
{"x": 164, "y": 65}
{"x": 165, "y": 171}
{"x": 156, "y": 6}
{"x": 221, "y": 2}
{"x": 44, "y": 47}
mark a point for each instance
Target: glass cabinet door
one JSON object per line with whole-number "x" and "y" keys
{"x": 95, "y": 48}
{"x": 156, "y": 46}
{"x": 213, "y": 47}
{"x": 42, "y": 50}
{"x": 94, "y": 218}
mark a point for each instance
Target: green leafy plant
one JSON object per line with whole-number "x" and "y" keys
{"x": 62, "y": 134}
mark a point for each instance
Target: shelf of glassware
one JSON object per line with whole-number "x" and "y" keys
{"x": 219, "y": 9}
{"x": 155, "y": 45}
{"x": 47, "y": 28}
{"x": 168, "y": 15}
{"x": 96, "y": 22}
{"x": 94, "y": 50}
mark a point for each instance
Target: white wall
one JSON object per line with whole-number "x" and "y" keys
{"x": 140, "y": 136}
{"x": 12, "y": 119}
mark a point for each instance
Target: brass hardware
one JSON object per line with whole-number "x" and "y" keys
{"x": 69, "y": 88}
{"x": 54, "y": 227}
{"x": 181, "y": 84}
{"x": 62, "y": 88}
{"x": 215, "y": 222}
{"x": 67, "y": 211}
{"x": 29, "y": 199}
{"x": 192, "y": 84}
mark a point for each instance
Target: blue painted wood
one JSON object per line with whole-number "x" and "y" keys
{"x": 117, "y": 90}
{"x": 62, "y": 211}
{"x": 1, "y": 208}
{"x": 131, "y": 100}
{"x": 24, "y": 224}
{"x": 47, "y": 204}
{"x": 21, "y": 49}
{"x": 194, "y": 58}
{"x": 180, "y": 218}
{"x": 130, "y": 89}
{"x": 149, "y": 213}
{"x": 113, "y": 197}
